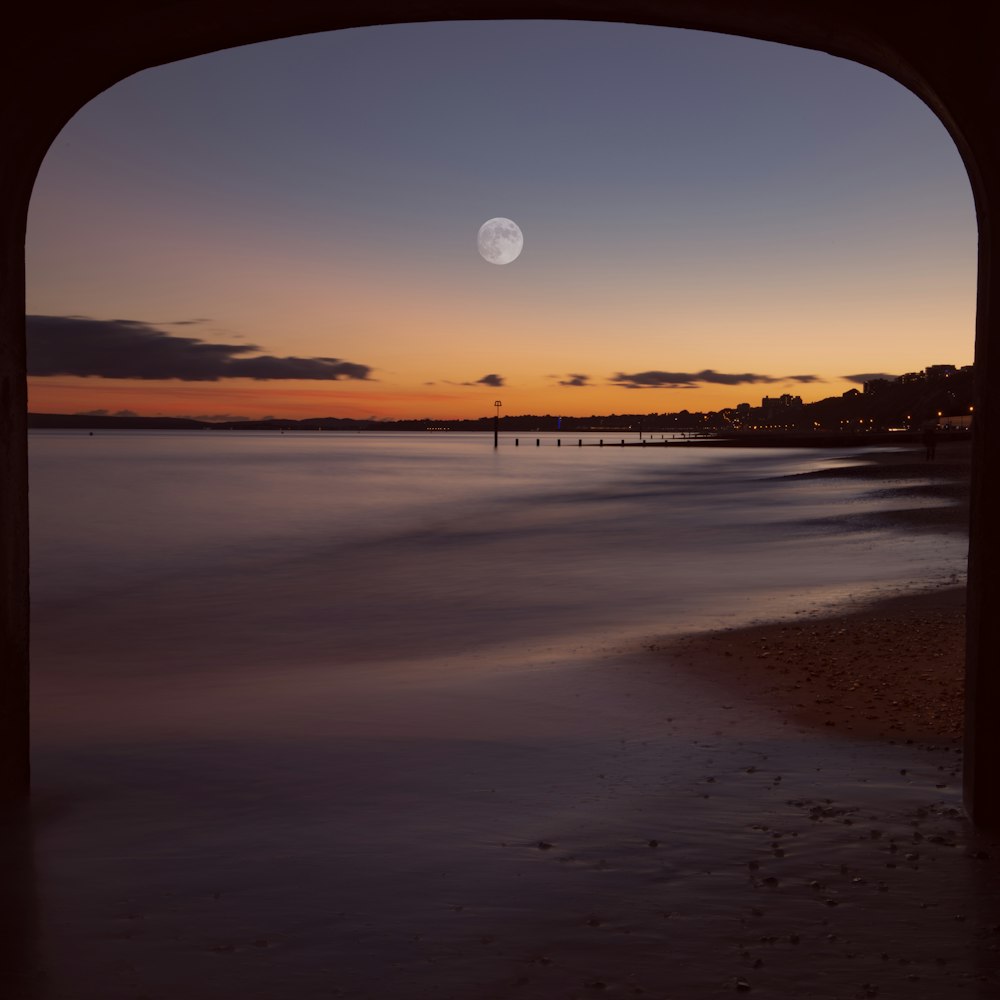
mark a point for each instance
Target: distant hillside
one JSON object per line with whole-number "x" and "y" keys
{"x": 84, "y": 421}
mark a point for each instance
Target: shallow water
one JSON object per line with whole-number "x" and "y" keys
{"x": 308, "y": 710}
{"x": 365, "y": 547}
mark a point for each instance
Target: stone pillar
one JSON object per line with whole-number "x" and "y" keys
{"x": 982, "y": 670}
{"x": 14, "y": 770}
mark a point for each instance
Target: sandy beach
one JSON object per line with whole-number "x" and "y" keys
{"x": 772, "y": 810}
{"x": 887, "y": 671}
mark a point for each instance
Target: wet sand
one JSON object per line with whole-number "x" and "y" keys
{"x": 888, "y": 671}
{"x": 772, "y": 811}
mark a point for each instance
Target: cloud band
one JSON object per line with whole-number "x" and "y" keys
{"x": 122, "y": 348}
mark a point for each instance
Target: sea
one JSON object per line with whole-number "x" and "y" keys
{"x": 334, "y": 548}
{"x": 380, "y": 715}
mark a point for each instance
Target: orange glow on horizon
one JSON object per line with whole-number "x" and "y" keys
{"x": 365, "y": 400}
{"x": 756, "y": 254}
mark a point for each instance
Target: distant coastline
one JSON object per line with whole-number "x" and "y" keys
{"x": 683, "y": 437}
{"x": 940, "y": 395}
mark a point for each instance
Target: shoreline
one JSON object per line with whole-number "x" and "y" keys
{"x": 888, "y": 669}
{"x": 891, "y": 670}
{"x": 809, "y": 440}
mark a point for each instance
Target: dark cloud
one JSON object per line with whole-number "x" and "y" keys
{"x": 691, "y": 380}
{"x": 575, "y": 380}
{"x": 122, "y": 348}
{"x": 493, "y": 380}
{"x": 685, "y": 380}
{"x": 861, "y": 379}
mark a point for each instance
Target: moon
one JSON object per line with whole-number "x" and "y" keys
{"x": 500, "y": 241}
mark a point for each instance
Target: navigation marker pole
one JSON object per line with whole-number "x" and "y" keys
{"x": 496, "y": 426}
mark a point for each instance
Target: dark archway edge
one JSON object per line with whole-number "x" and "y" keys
{"x": 55, "y": 58}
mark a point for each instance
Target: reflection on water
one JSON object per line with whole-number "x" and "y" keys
{"x": 367, "y": 716}
{"x": 347, "y": 547}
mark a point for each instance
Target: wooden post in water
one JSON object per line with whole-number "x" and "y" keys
{"x": 496, "y": 426}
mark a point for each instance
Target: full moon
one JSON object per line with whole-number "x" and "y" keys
{"x": 500, "y": 241}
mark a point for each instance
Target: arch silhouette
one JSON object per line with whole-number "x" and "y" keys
{"x": 55, "y": 61}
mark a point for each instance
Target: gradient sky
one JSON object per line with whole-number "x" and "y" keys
{"x": 690, "y": 202}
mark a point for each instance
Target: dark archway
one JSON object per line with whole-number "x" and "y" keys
{"x": 56, "y": 61}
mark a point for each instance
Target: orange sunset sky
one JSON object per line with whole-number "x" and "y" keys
{"x": 714, "y": 219}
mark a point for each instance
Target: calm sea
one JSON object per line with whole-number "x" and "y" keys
{"x": 243, "y": 548}
{"x": 308, "y": 705}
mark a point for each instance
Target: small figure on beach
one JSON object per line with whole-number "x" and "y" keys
{"x": 930, "y": 442}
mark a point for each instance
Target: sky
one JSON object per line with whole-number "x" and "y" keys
{"x": 289, "y": 229}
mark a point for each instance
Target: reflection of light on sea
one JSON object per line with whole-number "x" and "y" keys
{"x": 338, "y": 550}
{"x": 256, "y": 658}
